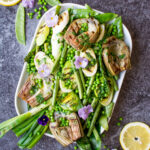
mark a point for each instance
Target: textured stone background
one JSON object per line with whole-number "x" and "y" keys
{"x": 134, "y": 99}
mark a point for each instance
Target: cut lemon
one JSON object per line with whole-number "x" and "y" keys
{"x": 9, "y": 2}
{"x": 135, "y": 136}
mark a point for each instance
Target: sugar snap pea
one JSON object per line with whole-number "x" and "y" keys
{"x": 20, "y": 25}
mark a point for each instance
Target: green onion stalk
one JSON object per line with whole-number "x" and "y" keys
{"x": 13, "y": 122}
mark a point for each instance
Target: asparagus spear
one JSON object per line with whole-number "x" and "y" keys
{"x": 94, "y": 120}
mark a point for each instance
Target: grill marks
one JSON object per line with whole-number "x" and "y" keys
{"x": 116, "y": 47}
{"x": 76, "y": 40}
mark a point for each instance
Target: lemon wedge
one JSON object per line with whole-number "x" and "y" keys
{"x": 9, "y": 2}
{"x": 135, "y": 136}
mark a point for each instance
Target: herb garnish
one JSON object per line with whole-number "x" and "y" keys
{"x": 122, "y": 56}
{"x": 39, "y": 98}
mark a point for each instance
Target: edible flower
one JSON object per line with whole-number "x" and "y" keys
{"x": 51, "y": 19}
{"x": 80, "y": 62}
{"x": 44, "y": 71}
{"x": 85, "y": 111}
{"x": 28, "y": 3}
{"x": 43, "y": 120}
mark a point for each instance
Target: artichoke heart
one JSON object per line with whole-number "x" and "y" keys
{"x": 66, "y": 135}
{"x": 116, "y": 55}
{"x": 71, "y": 102}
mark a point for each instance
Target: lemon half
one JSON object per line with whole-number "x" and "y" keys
{"x": 9, "y": 2}
{"x": 135, "y": 136}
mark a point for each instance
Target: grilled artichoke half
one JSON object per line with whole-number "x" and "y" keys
{"x": 66, "y": 135}
{"x": 116, "y": 55}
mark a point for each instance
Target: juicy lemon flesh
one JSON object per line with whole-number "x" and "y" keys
{"x": 136, "y": 138}
{"x": 9, "y": 2}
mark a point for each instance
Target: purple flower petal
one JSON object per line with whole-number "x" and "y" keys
{"x": 85, "y": 111}
{"x": 51, "y": 19}
{"x": 43, "y": 120}
{"x": 28, "y": 3}
{"x": 44, "y": 71}
{"x": 80, "y": 62}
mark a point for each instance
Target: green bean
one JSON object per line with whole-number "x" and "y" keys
{"x": 96, "y": 134}
{"x": 93, "y": 104}
{"x": 81, "y": 74}
{"x": 55, "y": 91}
{"x": 94, "y": 120}
{"x": 64, "y": 52}
{"x": 55, "y": 66}
{"x": 88, "y": 92}
{"x": 115, "y": 84}
{"x": 37, "y": 138}
{"x": 30, "y": 131}
{"x": 109, "y": 30}
{"x": 32, "y": 136}
{"x": 101, "y": 63}
{"x": 57, "y": 9}
{"x": 82, "y": 78}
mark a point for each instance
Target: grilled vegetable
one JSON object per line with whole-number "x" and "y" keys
{"x": 42, "y": 34}
{"x": 66, "y": 135}
{"x": 70, "y": 102}
{"x": 81, "y": 40}
{"x": 91, "y": 69}
{"x": 116, "y": 55}
{"x": 62, "y": 22}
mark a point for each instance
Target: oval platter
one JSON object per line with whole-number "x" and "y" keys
{"x": 21, "y": 105}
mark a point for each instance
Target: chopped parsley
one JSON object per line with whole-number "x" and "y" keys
{"x": 122, "y": 56}
{"x": 40, "y": 98}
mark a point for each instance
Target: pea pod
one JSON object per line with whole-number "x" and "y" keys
{"x": 106, "y": 17}
{"x": 53, "y": 2}
{"x": 20, "y": 25}
{"x": 108, "y": 109}
{"x": 104, "y": 122}
{"x": 118, "y": 23}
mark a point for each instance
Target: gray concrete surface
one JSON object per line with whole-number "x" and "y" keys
{"x": 134, "y": 99}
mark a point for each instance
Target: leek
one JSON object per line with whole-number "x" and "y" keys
{"x": 13, "y": 122}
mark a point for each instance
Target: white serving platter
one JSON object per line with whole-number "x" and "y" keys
{"x": 21, "y": 106}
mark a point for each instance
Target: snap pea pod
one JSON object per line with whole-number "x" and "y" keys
{"x": 115, "y": 84}
{"x": 37, "y": 137}
{"x": 118, "y": 23}
{"x": 88, "y": 92}
{"x": 95, "y": 140}
{"x": 30, "y": 54}
{"x": 101, "y": 63}
{"x": 105, "y": 17}
{"x": 103, "y": 122}
{"x": 116, "y": 77}
{"x": 83, "y": 13}
{"x": 110, "y": 28}
{"x": 55, "y": 91}
{"x": 108, "y": 109}
{"x": 78, "y": 79}
{"x": 97, "y": 111}
{"x": 20, "y": 25}
{"x": 29, "y": 131}
{"x": 88, "y": 7}
{"x": 53, "y": 2}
